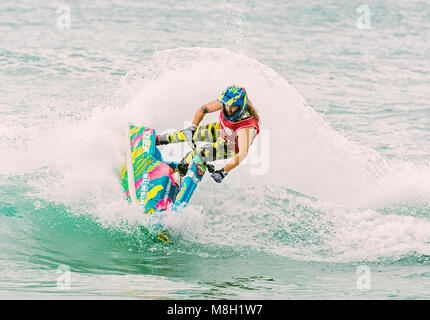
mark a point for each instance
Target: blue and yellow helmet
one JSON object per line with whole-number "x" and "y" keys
{"x": 234, "y": 96}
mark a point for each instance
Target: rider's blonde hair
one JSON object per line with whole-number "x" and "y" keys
{"x": 252, "y": 111}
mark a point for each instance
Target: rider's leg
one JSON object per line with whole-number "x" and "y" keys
{"x": 208, "y": 132}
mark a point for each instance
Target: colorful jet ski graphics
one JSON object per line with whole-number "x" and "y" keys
{"x": 148, "y": 181}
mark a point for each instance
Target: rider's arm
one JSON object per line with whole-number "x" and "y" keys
{"x": 206, "y": 108}
{"x": 244, "y": 140}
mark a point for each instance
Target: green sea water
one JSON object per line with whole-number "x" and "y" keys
{"x": 333, "y": 201}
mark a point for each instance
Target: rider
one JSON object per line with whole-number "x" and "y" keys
{"x": 230, "y": 137}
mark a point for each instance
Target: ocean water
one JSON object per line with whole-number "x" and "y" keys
{"x": 333, "y": 201}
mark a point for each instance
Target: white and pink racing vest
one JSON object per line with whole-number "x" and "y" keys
{"x": 229, "y": 128}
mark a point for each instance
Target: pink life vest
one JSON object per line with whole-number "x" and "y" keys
{"x": 229, "y": 128}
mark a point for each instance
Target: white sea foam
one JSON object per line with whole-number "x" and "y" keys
{"x": 78, "y": 162}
